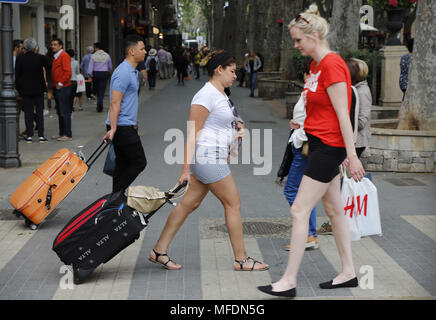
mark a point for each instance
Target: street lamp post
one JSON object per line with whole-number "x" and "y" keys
{"x": 9, "y": 157}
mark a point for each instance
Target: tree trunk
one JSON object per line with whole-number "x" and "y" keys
{"x": 291, "y": 9}
{"x": 273, "y": 36}
{"x": 418, "y": 111}
{"x": 344, "y": 25}
{"x": 218, "y": 24}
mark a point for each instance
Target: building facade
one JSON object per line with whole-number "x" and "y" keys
{"x": 88, "y": 21}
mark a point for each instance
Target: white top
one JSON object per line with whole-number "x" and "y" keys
{"x": 299, "y": 115}
{"x": 75, "y": 69}
{"x": 217, "y": 130}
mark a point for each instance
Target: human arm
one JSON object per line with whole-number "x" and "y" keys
{"x": 114, "y": 112}
{"x": 337, "y": 93}
{"x": 197, "y": 118}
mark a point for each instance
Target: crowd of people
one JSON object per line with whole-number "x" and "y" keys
{"x": 59, "y": 76}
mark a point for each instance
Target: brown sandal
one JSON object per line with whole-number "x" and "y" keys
{"x": 241, "y": 265}
{"x": 156, "y": 260}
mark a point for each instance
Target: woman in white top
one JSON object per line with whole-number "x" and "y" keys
{"x": 205, "y": 163}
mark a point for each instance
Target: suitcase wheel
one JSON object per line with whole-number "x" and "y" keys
{"x": 79, "y": 274}
{"x": 31, "y": 225}
{"x": 17, "y": 213}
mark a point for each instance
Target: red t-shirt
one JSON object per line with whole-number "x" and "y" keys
{"x": 321, "y": 120}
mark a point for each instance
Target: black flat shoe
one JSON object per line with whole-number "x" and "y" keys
{"x": 291, "y": 293}
{"x": 347, "y": 284}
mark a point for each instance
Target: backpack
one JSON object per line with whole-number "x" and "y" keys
{"x": 152, "y": 65}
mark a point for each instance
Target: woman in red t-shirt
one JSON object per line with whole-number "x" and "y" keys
{"x": 331, "y": 141}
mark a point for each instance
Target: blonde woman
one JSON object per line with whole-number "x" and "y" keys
{"x": 331, "y": 141}
{"x": 213, "y": 114}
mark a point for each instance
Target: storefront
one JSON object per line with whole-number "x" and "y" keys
{"x": 88, "y": 22}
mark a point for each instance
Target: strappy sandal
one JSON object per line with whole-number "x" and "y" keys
{"x": 156, "y": 260}
{"x": 241, "y": 265}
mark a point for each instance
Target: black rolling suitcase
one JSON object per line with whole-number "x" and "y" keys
{"x": 100, "y": 232}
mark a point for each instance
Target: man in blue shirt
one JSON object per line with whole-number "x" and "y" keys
{"x": 122, "y": 116}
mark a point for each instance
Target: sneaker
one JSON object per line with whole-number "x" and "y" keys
{"x": 55, "y": 137}
{"x": 46, "y": 112}
{"x": 326, "y": 228}
{"x": 42, "y": 140}
{"x": 64, "y": 138}
{"x": 312, "y": 243}
{"x": 28, "y": 139}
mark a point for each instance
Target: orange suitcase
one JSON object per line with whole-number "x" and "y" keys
{"x": 48, "y": 185}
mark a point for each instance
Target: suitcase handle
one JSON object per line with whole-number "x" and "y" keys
{"x": 48, "y": 199}
{"x": 97, "y": 153}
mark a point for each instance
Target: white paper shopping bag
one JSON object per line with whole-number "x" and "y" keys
{"x": 361, "y": 206}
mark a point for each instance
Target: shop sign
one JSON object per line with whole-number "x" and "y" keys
{"x": 88, "y": 6}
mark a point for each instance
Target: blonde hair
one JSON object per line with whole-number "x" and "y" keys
{"x": 363, "y": 69}
{"x": 311, "y": 21}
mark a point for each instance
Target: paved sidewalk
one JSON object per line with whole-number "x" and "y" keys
{"x": 400, "y": 264}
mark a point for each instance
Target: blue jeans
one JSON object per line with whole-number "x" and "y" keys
{"x": 63, "y": 97}
{"x": 296, "y": 172}
{"x": 253, "y": 79}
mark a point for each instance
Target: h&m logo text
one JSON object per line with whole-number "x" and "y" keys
{"x": 360, "y": 205}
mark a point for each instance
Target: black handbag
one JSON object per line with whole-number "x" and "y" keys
{"x": 286, "y": 162}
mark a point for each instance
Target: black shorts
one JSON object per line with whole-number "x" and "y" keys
{"x": 323, "y": 160}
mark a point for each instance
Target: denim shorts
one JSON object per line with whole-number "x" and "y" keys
{"x": 210, "y": 165}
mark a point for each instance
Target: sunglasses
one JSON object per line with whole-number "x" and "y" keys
{"x": 299, "y": 17}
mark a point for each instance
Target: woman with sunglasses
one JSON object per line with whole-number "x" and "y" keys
{"x": 330, "y": 136}
{"x": 205, "y": 165}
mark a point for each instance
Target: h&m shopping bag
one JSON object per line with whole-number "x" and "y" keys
{"x": 361, "y": 206}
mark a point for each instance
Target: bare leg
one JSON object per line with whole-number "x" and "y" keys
{"x": 191, "y": 200}
{"x": 333, "y": 206}
{"x": 309, "y": 193}
{"x": 227, "y": 192}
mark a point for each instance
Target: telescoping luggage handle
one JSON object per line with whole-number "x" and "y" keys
{"x": 97, "y": 153}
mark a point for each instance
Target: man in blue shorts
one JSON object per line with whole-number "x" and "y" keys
{"x": 121, "y": 122}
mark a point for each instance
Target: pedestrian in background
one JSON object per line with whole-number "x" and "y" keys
{"x": 75, "y": 70}
{"x": 162, "y": 56}
{"x": 214, "y": 116}
{"x": 18, "y": 49}
{"x": 31, "y": 83}
{"x": 252, "y": 66}
{"x": 196, "y": 61}
{"x": 181, "y": 63}
{"x": 299, "y": 162}
{"x": 359, "y": 73}
{"x": 60, "y": 76}
{"x": 404, "y": 64}
{"x": 152, "y": 65}
{"x": 121, "y": 122}
{"x": 331, "y": 141}
{"x": 49, "y": 60}
{"x": 170, "y": 64}
{"x": 84, "y": 67}
{"x": 100, "y": 66}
